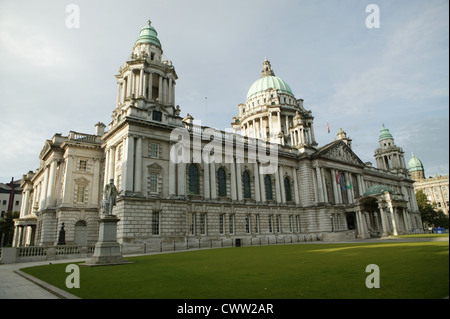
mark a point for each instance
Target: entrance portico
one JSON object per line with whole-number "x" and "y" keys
{"x": 381, "y": 213}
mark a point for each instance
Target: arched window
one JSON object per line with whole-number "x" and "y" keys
{"x": 268, "y": 186}
{"x": 222, "y": 181}
{"x": 247, "y": 186}
{"x": 287, "y": 189}
{"x": 194, "y": 187}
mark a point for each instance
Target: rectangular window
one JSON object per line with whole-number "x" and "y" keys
{"x": 155, "y": 223}
{"x": 231, "y": 220}
{"x": 291, "y": 223}
{"x": 247, "y": 224}
{"x": 83, "y": 166}
{"x": 153, "y": 150}
{"x": 80, "y": 194}
{"x": 153, "y": 183}
{"x": 278, "y": 223}
{"x": 222, "y": 224}
{"x": 257, "y": 224}
{"x": 270, "y": 223}
{"x": 157, "y": 116}
{"x": 191, "y": 222}
{"x": 297, "y": 223}
{"x": 203, "y": 224}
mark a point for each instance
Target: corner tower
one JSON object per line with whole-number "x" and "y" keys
{"x": 389, "y": 156}
{"x": 145, "y": 81}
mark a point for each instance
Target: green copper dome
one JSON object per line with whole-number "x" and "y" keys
{"x": 148, "y": 35}
{"x": 377, "y": 189}
{"x": 384, "y": 134}
{"x": 415, "y": 164}
{"x": 269, "y": 82}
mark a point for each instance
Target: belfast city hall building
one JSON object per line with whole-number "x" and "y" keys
{"x": 266, "y": 179}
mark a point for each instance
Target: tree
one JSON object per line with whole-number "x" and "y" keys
{"x": 430, "y": 216}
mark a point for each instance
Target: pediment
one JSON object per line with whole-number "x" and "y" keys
{"x": 339, "y": 151}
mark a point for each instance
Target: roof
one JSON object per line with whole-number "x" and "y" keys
{"x": 269, "y": 82}
{"x": 415, "y": 164}
{"x": 377, "y": 189}
{"x": 148, "y": 35}
{"x": 385, "y": 134}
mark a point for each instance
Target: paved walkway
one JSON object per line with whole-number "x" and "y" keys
{"x": 16, "y": 286}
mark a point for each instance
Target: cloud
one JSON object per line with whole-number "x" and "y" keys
{"x": 30, "y": 47}
{"x": 404, "y": 69}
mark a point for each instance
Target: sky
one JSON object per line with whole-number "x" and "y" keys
{"x": 57, "y": 76}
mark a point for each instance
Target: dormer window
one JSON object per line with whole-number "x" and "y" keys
{"x": 157, "y": 116}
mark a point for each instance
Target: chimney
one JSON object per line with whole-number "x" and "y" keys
{"x": 100, "y": 129}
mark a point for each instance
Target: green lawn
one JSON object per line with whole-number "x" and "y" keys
{"x": 407, "y": 270}
{"x": 423, "y": 236}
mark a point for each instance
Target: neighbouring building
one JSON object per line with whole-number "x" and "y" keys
{"x": 435, "y": 188}
{"x": 10, "y": 197}
{"x": 181, "y": 181}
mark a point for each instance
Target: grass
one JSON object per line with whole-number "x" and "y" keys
{"x": 407, "y": 270}
{"x": 423, "y": 236}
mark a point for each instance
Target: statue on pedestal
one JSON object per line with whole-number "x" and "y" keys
{"x": 109, "y": 198}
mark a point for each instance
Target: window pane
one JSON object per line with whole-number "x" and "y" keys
{"x": 222, "y": 181}
{"x": 155, "y": 223}
{"x": 287, "y": 189}
{"x": 193, "y": 179}
{"x": 153, "y": 182}
{"x": 268, "y": 186}
{"x": 247, "y": 187}
{"x": 157, "y": 116}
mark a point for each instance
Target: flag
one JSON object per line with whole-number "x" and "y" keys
{"x": 328, "y": 127}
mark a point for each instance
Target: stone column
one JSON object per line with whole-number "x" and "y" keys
{"x": 238, "y": 180}
{"x": 257, "y": 188}
{"x": 150, "y": 86}
{"x": 95, "y": 200}
{"x": 160, "y": 90}
{"x": 324, "y": 186}
{"x": 44, "y": 186}
{"x": 262, "y": 187}
{"x": 51, "y": 183}
{"x": 128, "y": 165}
{"x": 106, "y": 168}
{"x": 319, "y": 184}
{"x": 384, "y": 221}
{"x": 296, "y": 193}
{"x": 132, "y": 84}
{"x": 233, "y": 179}
{"x": 24, "y": 207}
{"x": 181, "y": 174}
{"x": 170, "y": 102}
{"x": 68, "y": 180}
{"x": 348, "y": 191}
{"x": 282, "y": 188}
{"x": 138, "y": 167}
{"x": 277, "y": 186}
{"x": 335, "y": 187}
{"x": 111, "y": 165}
{"x": 141, "y": 82}
{"x": 206, "y": 178}
{"x": 212, "y": 174}
{"x": 172, "y": 177}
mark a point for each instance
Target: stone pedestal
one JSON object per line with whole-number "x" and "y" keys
{"x": 107, "y": 249}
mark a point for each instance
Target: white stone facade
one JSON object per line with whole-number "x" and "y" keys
{"x": 180, "y": 182}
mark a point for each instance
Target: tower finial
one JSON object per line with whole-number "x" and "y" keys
{"x": 149, "y": 22}
{"x": 267, "y": 69}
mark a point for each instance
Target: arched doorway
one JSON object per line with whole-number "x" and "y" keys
{"x": 80, "y": 237}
